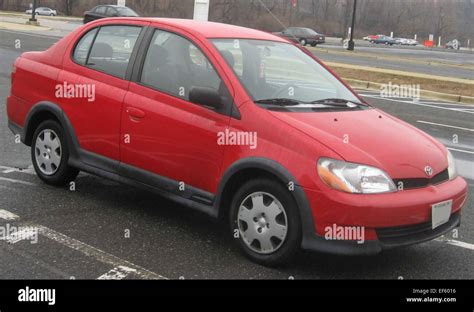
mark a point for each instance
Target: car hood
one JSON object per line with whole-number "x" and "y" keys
{"x": 374, "y": 138}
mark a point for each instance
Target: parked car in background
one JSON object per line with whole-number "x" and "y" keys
{"x": 412, "y": 42}
{"x": 103, "y": 11}
{"x": 382, "y": 39}
{"x": 401, "y": 41}
{"x": 453, "y": 44}
{"x": 405, "y": 41}
{"x": 303, "y": 35}
{"x": 370, "y": 37}
{"x": 43, "y": 11}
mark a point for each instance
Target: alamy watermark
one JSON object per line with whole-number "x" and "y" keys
{"x": 406, "y": 91}
{"x": 76, "y": 91}
{"x": 28, "y": 294}
{"x": 350, "y": 233}
{"x": 246, "y": 138}
{"x": 12, "y": 234}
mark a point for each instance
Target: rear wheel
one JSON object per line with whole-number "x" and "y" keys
{"x": 50, "y": 154}
{"x": 265, "y": 222}
{"x": 303, "y": 42}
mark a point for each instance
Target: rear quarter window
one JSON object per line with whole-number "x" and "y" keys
{"x": 110, "y": 51}
{"x": 83, "y": 47}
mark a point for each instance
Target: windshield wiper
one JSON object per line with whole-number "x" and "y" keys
{"x": 338, "y": 102}
{"x": 279, "y": 101}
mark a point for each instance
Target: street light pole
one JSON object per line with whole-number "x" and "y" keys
{"x": 351, "y": 44}
{"x": 33, "y": 12}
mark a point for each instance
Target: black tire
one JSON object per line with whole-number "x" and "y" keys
{"x": 64, "y": 173}
{"x": 314, "y": 44}
{"x": 303, "y": 42}
{"x": 52, "y": 14}
{"x": 290, "y": 245}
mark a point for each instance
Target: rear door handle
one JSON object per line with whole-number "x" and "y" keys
{"x": 135, "y": 113}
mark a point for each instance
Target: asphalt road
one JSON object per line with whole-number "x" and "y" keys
{"x": 448, "y": 63}
{"x": 106, "y": 230}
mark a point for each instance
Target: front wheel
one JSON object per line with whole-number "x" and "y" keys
{"x": 50, "y": 154}
{"x": 314, "y": 44}
{"x": 265, "y": 222}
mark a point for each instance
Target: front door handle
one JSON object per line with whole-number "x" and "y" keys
{"x": 135, "y": 113}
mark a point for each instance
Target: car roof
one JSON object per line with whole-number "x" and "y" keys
{"x": 208, "y": 29}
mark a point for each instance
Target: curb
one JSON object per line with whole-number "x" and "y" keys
{"x": 23, "y": 27}
{"x": 52, "y": 18}
{"x": 370, "y": 85}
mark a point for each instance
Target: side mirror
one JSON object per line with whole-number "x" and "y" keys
{"x": 206, "y": 97}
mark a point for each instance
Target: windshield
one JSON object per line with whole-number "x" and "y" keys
{"x": 277, "y": 70}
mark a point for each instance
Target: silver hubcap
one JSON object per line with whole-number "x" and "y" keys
{"x": 262, "y": 222}
{"x": 48, "y": 152}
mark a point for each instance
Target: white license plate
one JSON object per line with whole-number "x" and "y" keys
{"x": 440, "y": 213}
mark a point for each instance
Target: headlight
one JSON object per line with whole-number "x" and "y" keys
{"x": 451, "y": 166}
{"x": 354, "y": 178}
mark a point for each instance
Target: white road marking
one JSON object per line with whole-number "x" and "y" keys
{"x": 5, "y": 169}
{"x": 455, "y": 243}
{"x": 119, "y": 264}
{"x": 117, "y": 273}
{"x": 459, "y": 150}
{"x": 421, "y": 104}
{"x": 16, "y": 181}
{"x": 95, "y": 253}
{"x": 7, "y": 215}
{"x": 23, "y": 233}
{"x": 444, "y": 125}
{"x": 422, "y": 101}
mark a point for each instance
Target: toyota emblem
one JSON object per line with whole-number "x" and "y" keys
{"x": 429, "y": 171}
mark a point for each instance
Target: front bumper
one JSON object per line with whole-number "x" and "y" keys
{"x": 387, "y": 220}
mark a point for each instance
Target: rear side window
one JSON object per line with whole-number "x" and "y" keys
{"x": 111, "y": 50}
{"x": 174, "y": 65}
{"x": 100, "y": 10}
{"x": 111, "y": 12}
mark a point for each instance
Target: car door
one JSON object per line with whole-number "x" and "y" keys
{"x": 94, "y": 83}
{"x": 162, "y": 131}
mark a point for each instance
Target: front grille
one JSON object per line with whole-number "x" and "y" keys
{"x": 412, "y": 183}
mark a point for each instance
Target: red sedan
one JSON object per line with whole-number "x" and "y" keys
{"x": 236, "y": 123}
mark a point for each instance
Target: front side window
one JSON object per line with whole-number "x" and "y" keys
{"x": 111, "y": 50}
{"x": 277, "y": 70}
{"x": 174, "y": 65}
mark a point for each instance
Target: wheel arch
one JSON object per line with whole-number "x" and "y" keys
{"x": 43, "y": 111}
{"x": 248, "y": 168}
